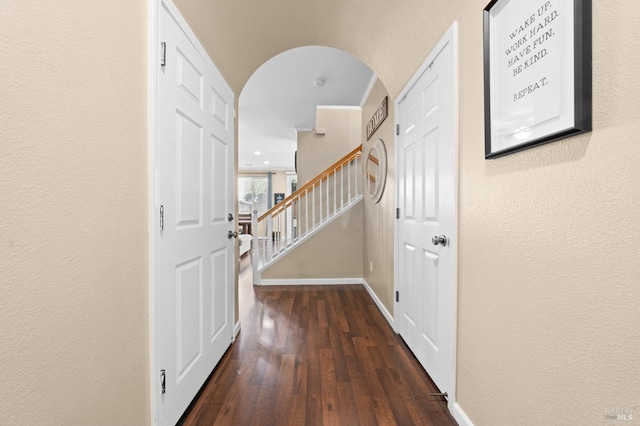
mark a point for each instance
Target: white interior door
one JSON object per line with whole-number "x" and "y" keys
{"x": 195, "y": 257}
{"x": 427, "y": 192}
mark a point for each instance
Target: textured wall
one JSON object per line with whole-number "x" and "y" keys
{"x": 241, "y": 35}
{"x": 317, "y": 153}
{"x": 378, "y": 242}
{"x": 306, "y": 139}
{"x": 548, "y": 293}
{"x": 74, "y": 329}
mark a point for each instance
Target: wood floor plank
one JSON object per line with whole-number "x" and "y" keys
{"x": 339, "y": 362}
{"x": 329, "y": 397}
{"x": 348, "y": 408}
{"x": 285, "y": 384}
{"x": 297, "y": 411}
{"x": 314, "y": 410}
{"x": 396, "y": 402}
{"x": 366, "y": 414}
{"x": 315, "y": 355}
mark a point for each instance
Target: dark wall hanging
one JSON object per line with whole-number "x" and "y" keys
{"x": 537, "y": 73}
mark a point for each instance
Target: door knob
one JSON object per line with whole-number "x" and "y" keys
{"x": 230, "y": 217}
{"x": 232, "y": 234}
{"x": 439, "y": 240}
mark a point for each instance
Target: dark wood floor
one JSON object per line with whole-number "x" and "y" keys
{"x": 314, "y": 355}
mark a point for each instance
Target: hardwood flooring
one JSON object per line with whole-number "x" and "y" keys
{"x": 315, "y": 355}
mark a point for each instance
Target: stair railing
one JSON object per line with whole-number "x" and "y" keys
{"x": 302, "y": 213}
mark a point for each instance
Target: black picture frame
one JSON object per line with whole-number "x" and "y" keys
{"x": 498, "y": 140}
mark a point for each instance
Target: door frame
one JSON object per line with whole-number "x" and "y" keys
{"x": 153, "y": 82}
{"x": 450, "y": 36}
{"x": 153, "y": 61}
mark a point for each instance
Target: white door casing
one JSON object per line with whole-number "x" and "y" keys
{"x": 194, "y": 258}
{"x": 426, "y": 273}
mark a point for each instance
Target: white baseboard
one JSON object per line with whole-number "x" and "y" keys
{"x": 460, "y": 416}
{"x": 379, "y": 303}
{"x": 314, "y": 281}
{"x": 236, "y": 330}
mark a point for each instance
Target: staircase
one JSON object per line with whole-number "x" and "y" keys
{"x": 305, "y": 212}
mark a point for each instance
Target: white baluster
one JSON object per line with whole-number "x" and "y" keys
{"x": 313, "y": 207}
{"x": 320, "y": 202}
{"x": 276, "y": 227}
{"x": 356, "y": 177}
{"x": 255, "y": 252}
{"x": 342, "y": 186}
{"x": 335, "y": 190}
{"x": 296, "y": 222}
{"x": 306, "y": 212}
{"x": 285, "y": 235}
{"x": 349, "y": 180}
{"x": 327, "y": 199}
{"x": 268, "y": 240}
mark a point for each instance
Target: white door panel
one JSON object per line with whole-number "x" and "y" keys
{"x": 427, "y": 196}
{"x": 195, "y": 258}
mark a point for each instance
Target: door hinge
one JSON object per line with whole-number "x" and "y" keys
{"x": 163, "y": 382}
{"x": 397, "y": 296}
{"x": 162, "y": 219}
{"x": 397, "y": 130}
{"x": 398, "y": 213}
{"x": 163, "y": 54}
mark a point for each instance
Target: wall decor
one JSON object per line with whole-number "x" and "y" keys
{"x": 376, "y": 170}
{"x": 378, "y": 117}
{"x": 537, "y": 72}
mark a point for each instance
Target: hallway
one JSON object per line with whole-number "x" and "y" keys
{"x": 315, "y": 355}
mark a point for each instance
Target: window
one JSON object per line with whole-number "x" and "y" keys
{"x": 252, "y": 194}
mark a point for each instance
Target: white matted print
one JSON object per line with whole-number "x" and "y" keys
{"x": 537, "y": 72}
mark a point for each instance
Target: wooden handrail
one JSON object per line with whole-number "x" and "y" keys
{"x": 322, "y": 176}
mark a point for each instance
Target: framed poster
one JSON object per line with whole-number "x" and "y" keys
{"x": 537, "y": 72}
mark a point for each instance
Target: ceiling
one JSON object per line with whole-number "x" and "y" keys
{"x": 282, "y": 95}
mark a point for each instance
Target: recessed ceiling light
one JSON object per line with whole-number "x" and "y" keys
{"x": 266, "y": 162}
{"x": 257, "y": 152}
